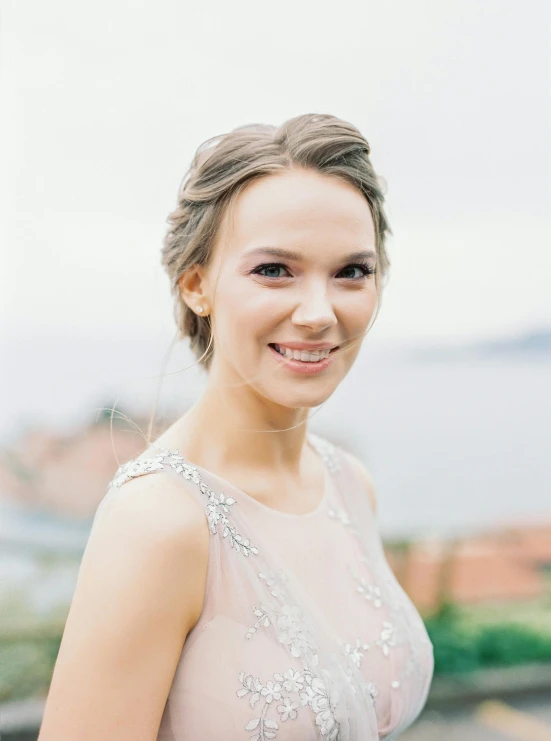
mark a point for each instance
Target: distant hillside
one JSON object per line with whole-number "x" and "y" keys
{"x": 535, "y": 344}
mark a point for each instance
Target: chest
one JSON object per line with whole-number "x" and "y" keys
{"x": 281, "y": 495}
{"x": 316, "y": 642}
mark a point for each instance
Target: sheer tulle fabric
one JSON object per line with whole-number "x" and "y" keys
{"x": 305, "y": 633}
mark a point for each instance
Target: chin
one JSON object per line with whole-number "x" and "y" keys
{"x": 298, "y": 400}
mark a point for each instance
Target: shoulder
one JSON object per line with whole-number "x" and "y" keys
{"x": 153, "y": 524}
{"x": 365, "y": 476}
{"x": 139, "y": 592}
{"x": 146, "y": 496}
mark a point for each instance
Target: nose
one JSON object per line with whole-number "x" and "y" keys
{"x": 315, "y": 309}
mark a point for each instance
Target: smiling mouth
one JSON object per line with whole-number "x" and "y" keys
{"x": 277, "y": 348}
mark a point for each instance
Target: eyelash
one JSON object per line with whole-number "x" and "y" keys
{"x": 366, "y": 269}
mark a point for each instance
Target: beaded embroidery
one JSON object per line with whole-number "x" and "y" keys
{"x": 284, "y": 694}
{"x": 389, "y": 635}
{"x": 304, "y": 688}
{"x": 312, "y": 682}
{"x": 311, "y": 685}
{"x": 327, "y": 452}
{"x": 370, "y": 592}
{"x": 355, "y": 652}
{"x": 218, "y": 506}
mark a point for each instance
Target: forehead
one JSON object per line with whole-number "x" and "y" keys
{"x": 301, "y": 210}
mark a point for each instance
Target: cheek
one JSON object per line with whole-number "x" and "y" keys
{"x": 355, "y": 316}
{"x": 247, "y": 313}
{"x": 358, "y": 308}
{"x": 247, "y": 304}
{"x": 244, "y": 315}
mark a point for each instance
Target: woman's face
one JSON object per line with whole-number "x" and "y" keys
{"x": 293, "y": 269}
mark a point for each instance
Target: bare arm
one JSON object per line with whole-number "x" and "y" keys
{"x": 366, "y": 478}
{"x": 139, "y": 592}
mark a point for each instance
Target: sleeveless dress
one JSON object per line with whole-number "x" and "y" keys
{"x": 305, "y": 633}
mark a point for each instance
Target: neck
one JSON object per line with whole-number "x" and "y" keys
{"x": 231, "y": 422}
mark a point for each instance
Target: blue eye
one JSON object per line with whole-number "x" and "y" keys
{"x": 365, "y": 270}
{"x": 269, "y": 266}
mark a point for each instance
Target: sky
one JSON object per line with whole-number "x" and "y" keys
{"x": 105, "y": 104}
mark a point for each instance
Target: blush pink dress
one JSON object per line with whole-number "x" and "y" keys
{"x": 305, "y": 633}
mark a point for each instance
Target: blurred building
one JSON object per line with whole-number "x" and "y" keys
{"x": 67, "y": 476}
{"x": 508, "y": 564}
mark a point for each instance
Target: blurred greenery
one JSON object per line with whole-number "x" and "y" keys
{"x": 26, "y": 667}
{"x": 463, "y": 644}
{"x": 31, "y": 629}
{"x": 466, "y": 638}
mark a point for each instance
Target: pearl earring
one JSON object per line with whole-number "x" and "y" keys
{"x": 199, "y": 309}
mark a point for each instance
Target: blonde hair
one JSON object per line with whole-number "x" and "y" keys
{"x": 221, "y": 168}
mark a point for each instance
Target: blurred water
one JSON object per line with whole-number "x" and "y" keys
{"x": 456, "y": 441}
{"x": 453, "y": 444}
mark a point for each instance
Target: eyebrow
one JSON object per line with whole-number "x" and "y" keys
{"x": 290, "y": 255}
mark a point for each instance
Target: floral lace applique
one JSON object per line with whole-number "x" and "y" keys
{"x": 133, "y": 468}
{"x": 355, "y": 652}
{"x": 342, "y": 516}
{"x": 353, "y": 674}
{"x": 310, "y": 685}
{"x": 388, "y": 637}
{"x": 261, "y": 613}
{"x": 370, "y": 592}
{"x": 328, "y": 452}
{"x": 369, "y": 689}
{"x": 303, "y": 688}
{"x": 218, "y": 506}
{"x": 275, "y": 581}
{"x": 294, "y": 633}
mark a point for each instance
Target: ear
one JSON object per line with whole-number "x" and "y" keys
{"x": 193, "y": 286}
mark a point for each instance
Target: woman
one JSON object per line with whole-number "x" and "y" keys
{"x": 242, "y": 591}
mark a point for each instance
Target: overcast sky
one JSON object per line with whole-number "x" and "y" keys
{"x": 105, "y": 103}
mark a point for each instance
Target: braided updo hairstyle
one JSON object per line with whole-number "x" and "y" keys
{"x": 221, "y": 168}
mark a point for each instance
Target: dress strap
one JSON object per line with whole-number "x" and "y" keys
{"x": 151, "y": 464}
{"x": 328, "y": 451}
{"x": 136, "y": 467}
{"x": 218, "y": 506}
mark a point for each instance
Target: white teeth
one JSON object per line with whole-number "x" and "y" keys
{"x": 305, "y": 356}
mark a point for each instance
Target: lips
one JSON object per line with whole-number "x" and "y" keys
{"x": 305, "y": 348}
{"x": 308, "y": 364}
{"x": 283, "y": 350}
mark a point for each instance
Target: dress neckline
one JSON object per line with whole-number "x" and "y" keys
{"x": 227, "y": 485}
